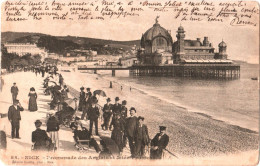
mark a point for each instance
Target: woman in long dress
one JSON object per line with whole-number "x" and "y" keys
{"x": 118, "y": 131}
{"x": 32, "y": 100}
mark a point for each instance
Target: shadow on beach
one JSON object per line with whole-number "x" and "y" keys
{"x": 23, "y": 144}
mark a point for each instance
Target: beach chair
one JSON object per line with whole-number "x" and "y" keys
{"x": 82, "y": 139}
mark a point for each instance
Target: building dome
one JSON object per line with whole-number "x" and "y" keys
{"x": 156, "y": 31}
{"x": 222, "y": 44}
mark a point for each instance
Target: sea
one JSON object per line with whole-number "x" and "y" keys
{"x": 233, "y": 101}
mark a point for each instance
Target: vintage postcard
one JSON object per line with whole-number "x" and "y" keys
{"x": 129, "y": 82}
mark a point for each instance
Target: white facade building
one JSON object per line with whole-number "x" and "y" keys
{"x": 25, "y": 48}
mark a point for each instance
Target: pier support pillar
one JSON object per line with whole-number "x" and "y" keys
{"x": 95, "y": 71}
{"x": 113, "y": 73}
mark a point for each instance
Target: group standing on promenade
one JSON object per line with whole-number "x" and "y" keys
{"x": 131, "y": 129}
{"x": 115, "y": 118}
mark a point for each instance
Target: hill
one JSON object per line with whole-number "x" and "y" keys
{"x": 12, "y": 36}
{"x": 62, "y": 44}
{"x": 26, "y": 37}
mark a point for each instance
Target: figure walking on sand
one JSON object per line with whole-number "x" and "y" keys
{"x": 141, "y": 138}
{"x": 123, "y": 117}
{"x": 14, "y": 91}
{"x": 32, "y": 101}
{"x": 159, "y": 143}
{"x": 82, "y": 98}
{"x": 107, "y": 113}
{"x": 93, "y": 115}
{"x": 87, "y": 104}
{"x": 131, "y": 126}
{"x": 118, "y": 131}
{"x": 116, "y": 109}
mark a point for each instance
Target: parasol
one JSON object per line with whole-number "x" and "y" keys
{"x": 100, "y": 93}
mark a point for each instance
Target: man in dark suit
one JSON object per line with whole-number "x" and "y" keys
{"x": 93, "y": 115}
{"x": 106, "y": 114}
{"x": 82, "y": 98}
{"x": 39, "y": 137}
{"x": 87, "y": 104}
{"x": 158, "y": 143}
{"x": 14, "y": 91}
{"x": 131, "y": 126}
{"x": 14, "y": 117}
{"x": 116, "y": 109}
{"x": 141, "y": 138}
{"x": 123, "y": 117}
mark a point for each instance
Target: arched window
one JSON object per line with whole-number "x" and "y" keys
{"x": 160, "y": 43}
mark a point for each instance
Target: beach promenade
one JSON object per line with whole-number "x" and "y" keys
{"x": 24, "y": 81}
{"x": 191, "y": 134}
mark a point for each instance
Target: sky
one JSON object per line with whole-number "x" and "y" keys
{"x": 242, "y": 41}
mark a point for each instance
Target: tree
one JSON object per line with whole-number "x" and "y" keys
{"x": 36, "y": 59}
{"x": 7, "y": 58}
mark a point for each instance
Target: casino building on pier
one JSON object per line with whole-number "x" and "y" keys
{"x": 159, "y": 55}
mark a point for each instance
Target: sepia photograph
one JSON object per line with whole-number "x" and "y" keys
{"x": 129, "y": 82}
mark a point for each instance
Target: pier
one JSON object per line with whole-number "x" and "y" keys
{"x": 207, "y": 71}
{"x": 112, "y": 68}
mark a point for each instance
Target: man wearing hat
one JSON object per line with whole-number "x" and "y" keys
{"x": 88, "y": 96}
{"x": 82, "y": 97}
{"x": 39, "y": 137}
{"x": 123, "y": 110}
{"x": 93, "y": 115}
{"x": 141, "y": 138}
{"x": 123, "y": 117}
{"x": 158, "y": 143}
{"x": 74, "y": 125}
{"x": 107, "y": 114}
{"x": 87, "y": 104}
{"x": 131, "y": 126}
{"x": 14, "y": 117}
{"x": 14, "y": 91}
{"x": 116, "y": 107}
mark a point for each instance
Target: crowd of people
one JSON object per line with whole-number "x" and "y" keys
{"x": 124, "y": 125}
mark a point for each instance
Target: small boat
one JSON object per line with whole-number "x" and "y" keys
{"x": 254, "y": 78}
